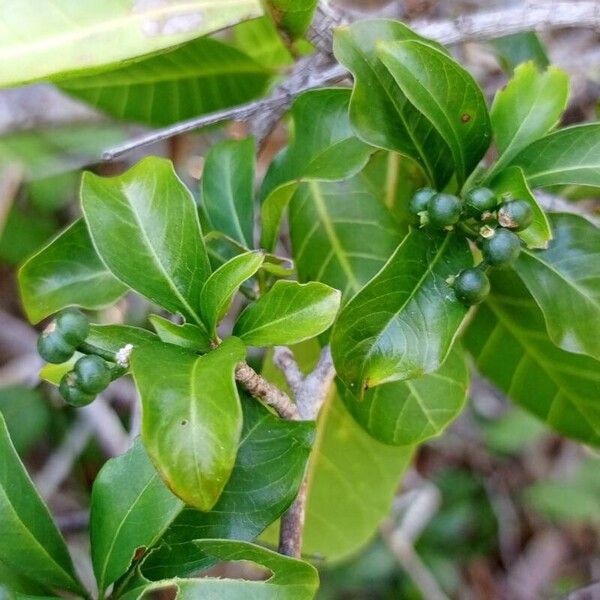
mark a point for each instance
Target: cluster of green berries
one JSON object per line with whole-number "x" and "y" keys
{"x": 489, "y": 220}
{"x": 91, "y": 374}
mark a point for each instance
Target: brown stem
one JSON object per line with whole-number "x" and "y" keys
{"x": 292, "y": 525}
{"x": 270, "y": 394}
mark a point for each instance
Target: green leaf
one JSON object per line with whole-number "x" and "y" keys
{"x": 290, "y": 579}
{"x": 191, "y": 416}
{"x": 220, "y": 288}
{"x": 200, "y": 77}
{"x": 527, "y": 108}
{"x": 403, "y": 323}
{"x": 567, "y": 156}
{"x": 49, "y": 151}
{"x": 131, "y": 508}
{"x": 510, "y": 346}
{"x": 268, "y": 471}
{"x": 511, "y": 183}
{"x": 409, "y": 412}
{"x": 191, "y": 337}
{"x": 260, "y": 39}
{"x": 565, "y": 282}
{"x": 517, "y": 48}
{"x": 347, "y": 459}
{"x": 341, "y": 233}
{"x": 26, "y": 413}
{"x": 322, "y": 147}
{"x": 430, "y": 79}
{"x": 111, "y": 338}
{"x": 380, "y": 113}
{"x": 144, "y": 225}
{"x": 293, "y": 15}
{"x": 30, "y": 542}
{"x": 228, "y": 189}
{"x": 67, "y": 272}
{"x": 46, "y": 39}
{"x": 288, "y": 313}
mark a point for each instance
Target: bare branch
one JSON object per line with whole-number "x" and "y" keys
{"x": 262, "y": 389}
{"x": 106, "y": 426}
{"x": 292, "y": 525}
{"x": 60, "y": 463}
{"x": 285, "y": 361}
{"x": 314, "y": 390}
{"x": 317, "y": 70}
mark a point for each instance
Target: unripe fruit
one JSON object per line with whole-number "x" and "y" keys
{"x": 72, "y": 393}
{"x": 418, "y": 203}
{"x": 516, "y": 215}
{"x": 444, "y": 210}
{"x": 73, "y": 325}
{"x": 502, "y": 249}
{"x": 480, "y": 200}
{"x": 93, "y": 374}
{"x": 53, "y": 347}
{"x": 471, "y": 286}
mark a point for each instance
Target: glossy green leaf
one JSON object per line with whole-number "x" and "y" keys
{"x": 260, "y": 40}
{"x": 430, "y": 79}
{"x": 288, "y": 313}
{"x": 144, "y": 225}
{"x": 45, "y": 152}
{"x": 512, "y": 184}
{"x": 44, "y": 39}
{"x": 290, "y": 579}
{"x": 380, "y": 113}
{"x": 403, "y": 323}
{"x": 567, "y": 156}
{"x": 200, "y": 77}
{"x": 191, "y": 337}
{"x": 111, "y": 338}
{"x": 220, "y": 288}
{"x": 342, "y": 234}
{"x": 131, "y": 508}
{"x": 347, "y": 459}
{"x": 269, "y": 468}
{"x": 191, "y": 416}
{"x": 228, "y": 189}
{"x": 510, "y": 346}
{"x": 517, "y": 48}
{"x": 30, "y": 542}
{"x": 565, "y": 282}
{"x": 67, "y": 272}
{"x": 409, "y": 412}
{"x": 322, "y": 147}
{"x": 293, "y": 15}
{"x": 527, "y": 108}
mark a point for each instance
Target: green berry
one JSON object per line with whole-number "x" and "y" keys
{"x": 471, "y": 286}
{"x": 444, "y": 210}
{"x": 418, "y": 203}
{"x": 73, "y": 325}
{"x": 72, "y": 393}
{"x": 501, "y": 249}
{"x": 480, "y": 200}
{"x": 516, "y": 215}
{"x": 53, "y": 347}
{"x": 93, "y": 374}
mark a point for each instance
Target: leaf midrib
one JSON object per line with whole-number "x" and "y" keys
{"x": 157, "y": 260}
{"x": 522, "y": 339}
